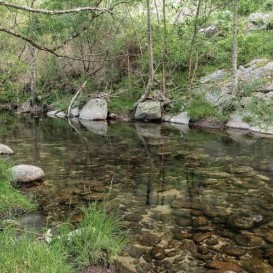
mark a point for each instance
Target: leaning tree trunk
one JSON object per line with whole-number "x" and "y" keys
{"x": 235, "y": 47}
{"x": 34, "y": 98}
{"x": 150, "y": 83}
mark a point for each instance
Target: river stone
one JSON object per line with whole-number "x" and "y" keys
{"x": 200, "y": 237}
{"x": 148, "y": 110}
{"x": 232, "y": 251}
{"x": 200, "y": 221}
{"x": 249, "y": 240}
{"x": 256, "y": 266}
{"x": 225, "y": 266}
{"x": 158, "y": 253}
{"x": 148, "y": 239}
{"x": 26, "y": 173}
{"x": 4, "y": 149}
{"x": 241, "y": 220}
{"x": 95, "y": 109}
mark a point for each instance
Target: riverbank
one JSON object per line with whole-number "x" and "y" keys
{"x": 97, "y": 239}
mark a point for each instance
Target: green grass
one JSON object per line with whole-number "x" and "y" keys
{"x": 200, "y": 108}
{"x": 24, "y": 254}
{"x": 11, "y": 200}
{"x": 98, "y": 240}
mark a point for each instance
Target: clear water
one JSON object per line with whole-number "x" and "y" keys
{"x": 206, "y": 196}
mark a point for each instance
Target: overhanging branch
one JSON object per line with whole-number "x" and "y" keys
{"x": 52, "y": 12}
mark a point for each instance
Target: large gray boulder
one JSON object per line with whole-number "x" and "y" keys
{"x": 4, "y": 149}
{"x": 181, "y": 118}
{"x": 26, "y": 173}
{"x": 261, "y": 20}
{"x": 95, "y": 109}
{"x": 148, "y": 110}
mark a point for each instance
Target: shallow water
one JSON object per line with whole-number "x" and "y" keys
{"x": 193, "y": 201}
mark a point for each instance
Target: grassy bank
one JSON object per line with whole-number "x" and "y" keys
{"x": 11, "y": 200}
{"x": 96, "y": 240}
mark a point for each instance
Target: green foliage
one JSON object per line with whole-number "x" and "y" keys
{"x": 267, "y": 5}
{"x": 246, "y": 89}
{"x": 200, "y": 108}
{"x": 98, "y": 239}
{"x": 11, "y": 200}
{"x": 25, "y": 254}
{"x": 259, "y": 113}
{"x": 245, "y": 7}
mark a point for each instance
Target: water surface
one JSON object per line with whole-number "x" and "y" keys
{"x": 192, "y": 201}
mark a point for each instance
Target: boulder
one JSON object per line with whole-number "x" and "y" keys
{"x": 61, "y": 114}
{"x": 148, "y": 110}
{"x": 95, "y": 109}
{"x": 215, "y": 76}
{"x": 4, "y": 149}
{"x": 52, "y": 113}
{"x": 236, "y": 122}
{"x": 260, "y": 20}
{"x": 75, "y": 112}
{"x": 209, "y": 31}
{"x": 26, "y": 173}
{"x": 181, "y": 118}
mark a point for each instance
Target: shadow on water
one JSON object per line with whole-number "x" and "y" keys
{"x": 200, "y": 201}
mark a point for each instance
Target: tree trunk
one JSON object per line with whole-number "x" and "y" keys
{"x": 235, "y": 47}
{"x": 34, "y": 98}
{"x": 164, "y": 70}
{"x": 193, "y": 39}
{"x": 150, "y": 83}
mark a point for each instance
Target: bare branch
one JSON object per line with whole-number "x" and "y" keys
{"x": 52, "y": 12}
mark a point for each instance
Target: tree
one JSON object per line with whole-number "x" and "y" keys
{"x": 150, "y": 83}
{"x": 235, "y": 47}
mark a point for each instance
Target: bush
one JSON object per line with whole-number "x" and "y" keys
{"x": 200, "y": 108}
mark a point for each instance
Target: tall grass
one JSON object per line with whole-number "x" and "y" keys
{"x": 24, "y": 254}
{"x": 11, "y": 200}
{"x": 98, "y": 240}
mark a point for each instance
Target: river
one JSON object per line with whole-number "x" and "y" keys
{"x": 192, "y": 201}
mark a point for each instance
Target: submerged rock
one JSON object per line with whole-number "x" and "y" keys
{"x": 4, "y": 149}
{"x": 26, "y": 173}
{"x": 95, "y": 109}
{"x": 241, "y": 220}
{"x": 158, "y": 253}
{"x": 256, "y": 266}
{"x": 148, "y": 110}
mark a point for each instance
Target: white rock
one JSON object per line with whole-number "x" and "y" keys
{"x": 181, "y": 118}
{"x": 26, "y": 173}
{"x": 52, "y": 113}
{"x": 236, "y": 121}
{"x": 61, "y": 114}
{"x": 4, "y": 149}
{"x": 75, "y": 112}
{"x": 148, "y": 110}
{"x": 95, "y": 109}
